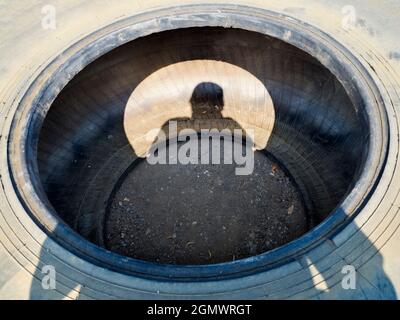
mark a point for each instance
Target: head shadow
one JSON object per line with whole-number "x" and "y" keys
{"x": 207, "y": 100}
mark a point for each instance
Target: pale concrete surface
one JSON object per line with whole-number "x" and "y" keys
{"x": 25, "y": 46}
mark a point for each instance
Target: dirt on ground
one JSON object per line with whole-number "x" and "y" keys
{"x": 203, "y": 214}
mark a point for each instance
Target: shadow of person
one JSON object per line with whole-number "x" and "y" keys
{"x": 207, "y": 105}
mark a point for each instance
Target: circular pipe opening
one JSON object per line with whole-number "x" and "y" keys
{"x": 312, "y": 138}
{"x": 203, "y": 211}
